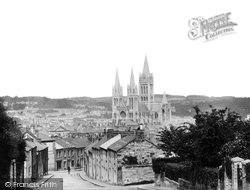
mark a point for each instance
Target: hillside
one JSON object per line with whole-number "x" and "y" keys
{"x": 184, "y": 105}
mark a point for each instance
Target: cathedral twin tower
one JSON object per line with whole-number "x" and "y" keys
{"x": 138, "y": 107}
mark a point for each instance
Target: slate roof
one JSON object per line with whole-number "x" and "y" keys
{"x": 89, "y": 148}
{"x": 156, "y": 107}
{"x": 30, "y": 133}
{"x": 44, "y": 137}
{"x": 72, "y": 127}
{"x": 78, "y": 142}
{"x": 121, "y": 143}
{"x": 32, "y": 144}
{"x": 142, "y": 107}
{"x": 110, "y": 141}
{"x": 63, "y": 143}
{"x": 100, "y": 142}
{"x": 29, "y": 145}
{"x": 40, "y": 146}
{"x": 51, "y": 129}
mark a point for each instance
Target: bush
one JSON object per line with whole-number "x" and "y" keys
{"x": 248, "y": 172}
{"x": 174, "y": 171}
{"x": 228, "y": 167}
{"x": 158, "y": 163}
{"x": 199, "y": 177}
{"x": 205, "y": 176}
{"x": 221, "y": 173}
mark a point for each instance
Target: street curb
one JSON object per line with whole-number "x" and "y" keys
{"x": 90, "y": 181}
{"x": 45, "y": 181}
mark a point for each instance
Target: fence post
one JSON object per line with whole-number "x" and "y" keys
{"x": 235, "y": 162}
{"x": 162, "y": 179}
{"x": 244, "y": 181}
{"x": 226, "y": 181}
{"x": 218, "y": 174}
{"x": 157, "y": 179}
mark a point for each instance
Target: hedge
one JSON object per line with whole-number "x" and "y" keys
{"x": 228, "y": 167}
{"x": 199, "y": 177}
{"x": 248, "y": 172}
{"x": 159, "y": 162}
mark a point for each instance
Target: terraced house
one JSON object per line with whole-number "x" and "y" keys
{"x": 36, "y": 163}
{"x": 70, "y": 152}
{"x": 121, "y": 159}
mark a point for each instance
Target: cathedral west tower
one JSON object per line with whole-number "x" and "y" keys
{"x": 132, "y": 98}
{"x": 117, "y": 97}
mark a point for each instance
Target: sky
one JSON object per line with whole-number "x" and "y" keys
{"x": 61, "y": 49}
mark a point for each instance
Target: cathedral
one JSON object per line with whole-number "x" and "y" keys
{"x": 139, "y": 105}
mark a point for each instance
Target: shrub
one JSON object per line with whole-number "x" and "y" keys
{"x": 174, "y": 171}
{"x": 221, "y": 173}
{"x": 205, "y": 176}
{"x": 228, "y": 167}
{"x": 199, "y": 177}
{"x": 248, "y": 172}
{"x": 158, "y": 163}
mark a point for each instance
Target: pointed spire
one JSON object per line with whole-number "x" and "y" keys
{"x": 132, "y": 79}
{"x": 117, "y": 81}
{"x": 145, "y": 67}
{"x": 164, "y": 99}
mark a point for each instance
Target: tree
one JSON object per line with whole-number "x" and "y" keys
{"x": 204, "y": 142}
{"x": 12, "y": 144}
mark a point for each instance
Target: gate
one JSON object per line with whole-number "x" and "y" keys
{"x": 240, "y": 177}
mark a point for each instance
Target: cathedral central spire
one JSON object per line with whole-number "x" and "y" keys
{"x": 145, "y": 67}
{"x": 132, "y": 79}
{"x": 117, "y": 81}
{"x": 164, "y": 99}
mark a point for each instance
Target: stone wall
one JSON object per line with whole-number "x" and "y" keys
{"x": 144, "y": 151}
{"x": 137, "y": 173}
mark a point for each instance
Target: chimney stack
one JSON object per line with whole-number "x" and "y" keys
{"x": 139, "y": 135}
{"x": 110, "y": 133}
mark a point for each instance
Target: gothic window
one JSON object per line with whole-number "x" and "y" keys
{"x": 156, "y": 115}
{"x": 141, "y": 89}
{"x": 131, "y": 104}
{"x": 123, "y": 114}
{"x": 163, "y": 111}
{"x": 133, "y": 90}
{"x": 141, "y": 98}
